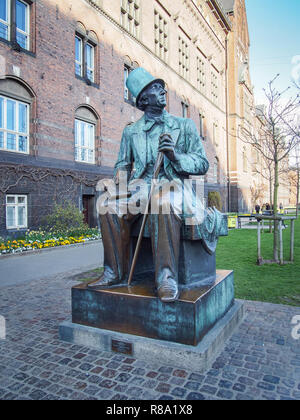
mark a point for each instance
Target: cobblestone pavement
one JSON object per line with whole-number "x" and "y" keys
{"x": 260, "y": 361}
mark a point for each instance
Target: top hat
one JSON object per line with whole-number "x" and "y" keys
{"x": 138, "y": 80}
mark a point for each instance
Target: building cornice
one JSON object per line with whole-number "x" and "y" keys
{"x": 97, "y": 4}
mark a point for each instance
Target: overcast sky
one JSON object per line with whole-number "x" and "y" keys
{"x": 275, "y": 42}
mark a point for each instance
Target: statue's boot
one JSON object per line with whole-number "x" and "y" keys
{"x": 167, "y": 290}
{"x": 107, "y": 279}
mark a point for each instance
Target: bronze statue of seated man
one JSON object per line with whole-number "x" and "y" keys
{"x": 179, "y": 143}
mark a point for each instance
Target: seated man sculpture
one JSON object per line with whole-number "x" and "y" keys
{"x": 177, "y": 139}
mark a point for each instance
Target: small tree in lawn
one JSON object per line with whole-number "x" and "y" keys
{"x": 278, "y": 137}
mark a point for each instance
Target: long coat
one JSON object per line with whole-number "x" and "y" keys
{"x": 188, "y": 145}
{"x": 192, "y": 160}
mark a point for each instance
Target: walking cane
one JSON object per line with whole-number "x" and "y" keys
{"x": 158, "y": 163}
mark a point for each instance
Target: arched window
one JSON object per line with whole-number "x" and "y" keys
{"x": 128, "y": 67}
{"x": 15, "y": 103}
{"x": 85, "y": 135}
{"x": 185, "y": 108}
{"x": 86, "y": 54}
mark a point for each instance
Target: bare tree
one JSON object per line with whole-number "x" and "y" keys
{"x": 257, "y": 193}
{"x": 295, "y": 175}
{"x": 277, "y": 136}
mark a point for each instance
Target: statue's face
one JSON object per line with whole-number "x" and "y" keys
{"x": 156, "y": 95}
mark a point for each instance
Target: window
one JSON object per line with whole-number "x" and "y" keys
{"x": 90, "y": 58}
{"x": 201, "y": 77}
{"x": 161, "y": 36}
{"x": 215, "y": 134}
{"x": 214, "y": 87}
{"x": 185, "y": 109}
{"x": 15, "y": 22}
{"x": 22, "y": 24}
{"x": 84, "y": 142}
{"x": 84, "y": 59}
{"x": 14, "y": 125}
{"x": 16, "y": 211}
{"x": 129, "y": 65}
{"x": 130, "y": 16}
{"x": 216, "y": 171}
{"x": 201, "y": 125}
{"x": 78, "y": 56}
{"x": 127, "y": 95}
{"x": 183, "y": 58}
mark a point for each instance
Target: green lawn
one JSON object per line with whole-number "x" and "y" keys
{"x": 268, "y": 283}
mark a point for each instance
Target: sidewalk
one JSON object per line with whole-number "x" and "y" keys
{"x": 260, "y": 361}
{"x": 23, "y": 268}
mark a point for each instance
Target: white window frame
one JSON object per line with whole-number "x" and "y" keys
{"x": 126, "y": 90}
{"x": 16, "y": 132}
{"x": 16, "y": 205}
{"x": 85, "y": 146}
{"x": 7, "y": 23}
{"x": 91, "y": 69}
{"x": 26, "y": 33}
{"x": 79, "y": 63}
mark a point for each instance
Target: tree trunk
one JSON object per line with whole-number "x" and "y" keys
{"x": 297, "y": 197}
{"x": 275, "y": 202}
{"x": 271, "y": 200}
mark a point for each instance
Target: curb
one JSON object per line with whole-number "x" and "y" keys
{"x": 55, "y": 248}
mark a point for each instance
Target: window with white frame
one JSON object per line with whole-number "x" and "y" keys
{"x": 16, "y": 212}
{"x": 89, "y": 59}
{"x": 127, "y": 94}
{"x": 78, "y": 56}
{"x": 22, "y": 24}
{"x": 215, "y": 134}
{"x": 14, "y": 125}
{"x": 15, "y": 22}
{"x": 201, "y": 125}
{"x": 84, "y": 142}
{"x": 84, "y": 58}
{"x": 185, "y": 109}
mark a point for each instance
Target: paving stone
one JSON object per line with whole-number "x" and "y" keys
{"x": 271, "y": 379}
{"x": 208, "y": 389}
{"x": 195, "y": 396}
{"x": 192, "y": 385}
{"x": 162, "y": 387}
{"x": 225, "y": 394}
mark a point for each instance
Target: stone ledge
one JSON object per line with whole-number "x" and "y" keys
{"x": 197, "y": 358}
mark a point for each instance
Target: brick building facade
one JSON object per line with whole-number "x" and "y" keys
{"x": 64, "y": 103}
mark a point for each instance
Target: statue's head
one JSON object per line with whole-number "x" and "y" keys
{"x": 147, "y": 90}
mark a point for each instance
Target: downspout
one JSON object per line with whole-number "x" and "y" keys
{"x": 227, "y": 125}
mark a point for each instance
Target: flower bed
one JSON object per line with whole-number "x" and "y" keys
{"x": 42, "y": 240}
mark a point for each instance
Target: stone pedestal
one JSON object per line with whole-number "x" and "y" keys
{"x": 136, "y": 310}
{"x": 158, "y": 352}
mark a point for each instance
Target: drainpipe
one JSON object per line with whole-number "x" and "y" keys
{"x": 227, "y": 125}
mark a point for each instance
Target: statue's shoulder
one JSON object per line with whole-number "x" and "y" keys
{"x": 133, "y": 127}
{"x": 181, "y": 121}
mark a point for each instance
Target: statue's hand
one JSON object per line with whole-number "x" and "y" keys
{"x": 167, "y": 146}
{"x": 117, "y": 177}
